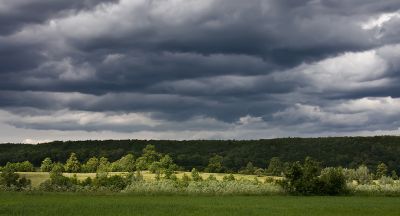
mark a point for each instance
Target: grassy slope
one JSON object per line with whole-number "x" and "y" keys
{"x": 76, "y": 204}
{"x": 39, "y": 177}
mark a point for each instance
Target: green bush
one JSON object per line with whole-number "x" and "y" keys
{"x": 185, "y": 180}
{"x": 212, "y": 178}
{"x": 59, "y": 182}
{"x": 25, "y": 166}
{"x": 229, "y": 177}
{"x": 102, "y": 182}
{"x": 9, "y": 179}
{"x": 196, "y": 175}
{"x": 114, "y": 183}
{"x": 307, "y": 179}
{"x": 302, "y": 179}
{"x": 333, "y": 181}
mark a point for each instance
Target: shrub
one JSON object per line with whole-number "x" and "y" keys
{"x": 165, "y": 186}
{"x": 25, "y": 166}
{"x": 384, "y": 180}
{"x": 185, "y": 180}
{"x": 212, "y": 187}
{"x": 137, "y": 176}
{"x": 87, "y": 182}
{"x": 375, "y": 189}
{"x": 211, "y": 178}
{"x": 114, "y": 183}
{"x": 333, "y": 181}
{"x": 259, "y": 172}
{"x": 57, "y": 181}
{"x": 270, "y": 180}
{"x": 302, "y": 179}
{"x": 57, "y": 178}
{"x": 229, "y": 177}
{"x": 173, "y": 177}
{"x": 305, "y": 179}
{"x": 231, "y": 188}
{"x": 196, "y": 175}
{"x": 102, "y": 182}
{"x": 10, "y": 179}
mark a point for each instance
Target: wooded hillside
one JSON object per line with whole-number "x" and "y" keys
{"x": 334, "y": 151}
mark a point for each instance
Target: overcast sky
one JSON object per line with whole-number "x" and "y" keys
{"x": 198, "y": 69}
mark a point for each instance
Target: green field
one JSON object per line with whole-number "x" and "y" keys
{"x": 79, "y": 204}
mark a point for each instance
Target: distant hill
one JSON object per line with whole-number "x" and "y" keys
{"x": 332, "y": 151}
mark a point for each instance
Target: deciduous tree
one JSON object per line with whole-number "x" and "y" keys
{"x": 46, "y": 165}
{"x": 72, "y": 164}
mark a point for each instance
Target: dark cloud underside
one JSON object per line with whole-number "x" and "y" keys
{"x": 199, "y": 69}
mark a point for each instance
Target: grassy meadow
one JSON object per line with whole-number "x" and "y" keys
{"x": 117, "y": 204}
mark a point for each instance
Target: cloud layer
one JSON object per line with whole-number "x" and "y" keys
{"x": 190, "y": 69}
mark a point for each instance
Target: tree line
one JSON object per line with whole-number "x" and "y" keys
{"x": 348, "y": 152}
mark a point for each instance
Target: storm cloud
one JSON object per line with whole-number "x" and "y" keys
{"x": 191, "y": 69}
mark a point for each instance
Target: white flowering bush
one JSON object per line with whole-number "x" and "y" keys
{"x": 375, "y": 189}
{"x": 207, "y": 187}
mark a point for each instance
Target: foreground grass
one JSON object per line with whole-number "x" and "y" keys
{"x": 81, "y": 204}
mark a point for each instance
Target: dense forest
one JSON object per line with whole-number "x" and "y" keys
{"x": 347, "y": 152}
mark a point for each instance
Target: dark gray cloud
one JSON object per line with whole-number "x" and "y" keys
{"x": 248, "y": 67}
{"x": 15, "y": 14}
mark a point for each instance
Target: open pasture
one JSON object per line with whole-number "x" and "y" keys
{"x": 117, "y": 204}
